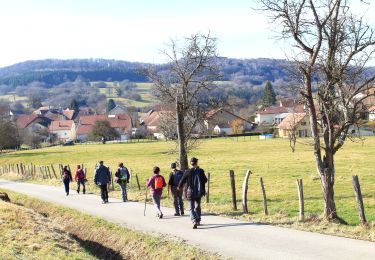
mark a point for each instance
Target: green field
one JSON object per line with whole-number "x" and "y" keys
{"x": 143, "y": 89}
{"x": 271, "y": 159}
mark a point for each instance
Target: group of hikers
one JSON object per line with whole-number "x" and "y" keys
{"x": 191, "y": 183}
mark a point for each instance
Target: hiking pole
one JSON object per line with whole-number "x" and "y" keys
{"x": 144, "y": 211}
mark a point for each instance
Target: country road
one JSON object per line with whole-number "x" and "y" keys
{"x": 228, "y": 237}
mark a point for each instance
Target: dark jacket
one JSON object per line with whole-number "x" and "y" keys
{"x": 195, "y": 180}
{"x": 171, "y": 180}
{"x": 118, "y": 174}
{"x": 102, "y": 175}
{"x": 69, "y": 177}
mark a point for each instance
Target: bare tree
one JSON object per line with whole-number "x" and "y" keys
{"x": 332, "y": 45}
{"x": 191, "y": 70}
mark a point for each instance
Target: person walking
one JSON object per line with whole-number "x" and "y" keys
{"x": 156, "y": 183}
{"x": 80, "y": 178}
{"x": 101, "y": 178}
{"x": 66, "y": 177}
{"x": 174, "y": 179}
{"x": 195, "y": 180}
{"x": 122, "y": 178}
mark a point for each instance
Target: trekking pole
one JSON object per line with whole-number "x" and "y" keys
{"x": 144, "y": 212}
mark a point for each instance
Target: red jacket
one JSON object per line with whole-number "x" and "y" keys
{"x": 80, "y": 175}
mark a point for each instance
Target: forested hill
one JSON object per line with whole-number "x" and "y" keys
{"x": 53, "y": 71}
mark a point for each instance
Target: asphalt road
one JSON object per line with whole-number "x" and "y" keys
{"x": 228, "y": 237}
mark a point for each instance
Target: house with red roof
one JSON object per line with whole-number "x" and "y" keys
{"x": 63, "y": 129}
{"x": 122, "y": 123}
{"x": 33, "y": 122}
{"x": 154, "y": 121}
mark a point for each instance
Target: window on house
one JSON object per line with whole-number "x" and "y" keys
{"x": 303, "y": 123}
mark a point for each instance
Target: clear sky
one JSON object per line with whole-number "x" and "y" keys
{"x": 133, "y": 30}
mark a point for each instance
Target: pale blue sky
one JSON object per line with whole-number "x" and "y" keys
{"x": 129, "y": 30}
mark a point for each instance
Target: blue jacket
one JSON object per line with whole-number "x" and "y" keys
{"x": 102, "y": 175}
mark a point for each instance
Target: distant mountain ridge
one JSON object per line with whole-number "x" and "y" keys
{"x": 55, "y": 71}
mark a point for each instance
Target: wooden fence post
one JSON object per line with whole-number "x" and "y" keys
{"x": 264, "y": 196}
{"x": 208, "y": 188}
{"x": 18, "y": 169}
{"x": 21, "y": 165}
{"x": 49, "y": 171}
{"x": 244, "y": 191}
{"x": 139, "y": 186}
{"x": 301, "y": 201}
{"x": 54, "y": 172}
{"x": 233, "y": 187}
{"x": 358, "y": 195}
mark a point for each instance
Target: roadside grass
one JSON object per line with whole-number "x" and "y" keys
{"x": 25, "y": 234}
{"x": 271, "y": 159}
{"x": 86, "y": 237}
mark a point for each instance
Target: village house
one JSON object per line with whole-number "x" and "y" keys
{"x": 371, "y": 113}
{"x": 122, "y": 123}
{"x": 153, "y": 122}
{"x": 118, "y": 109}
{"x": 276, "y": 114}
{"x": 70, "y": 114}
{"x": 220, "y": 121}
{"x": 33, "y": 123}
{"x": 298, "y": 123}
{"x": 63, "y": 129}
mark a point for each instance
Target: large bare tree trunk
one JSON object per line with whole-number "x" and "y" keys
{"x": 327, "y": 179}
{"x": 181, "y": 138}
{"x": 328, "y": 195}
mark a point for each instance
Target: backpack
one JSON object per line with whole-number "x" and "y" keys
{"x": 177, "y": 176}
{"x": 65, "y": 175}
{"x": 197, "y": 188}
{"x": 123, "y": 174}
{"x": 80, "y": 174}
{"x": 158, "y": 182}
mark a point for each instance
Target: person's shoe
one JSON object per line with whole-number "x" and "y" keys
{"x": 103, "y": 202}
{"x": 78, "y": 191}
{"x": 195, "y": 225}
{"x": 84, "y": 192}
{"x": 177, "y": 214}
{"x": 157, "y": 215}
{"x": 198, "y": 223}
{"x": 67, "y": 194}
{"x": 106, "y": 201}
{"x": 161, "y": 215}
{"x": 182, "y": 213}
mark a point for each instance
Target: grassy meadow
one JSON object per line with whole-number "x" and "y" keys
{"x": 271, "y": 159}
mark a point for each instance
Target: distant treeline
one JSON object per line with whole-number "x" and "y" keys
{"x": 53, "y": 72}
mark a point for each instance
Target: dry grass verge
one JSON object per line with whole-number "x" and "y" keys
{"x": 103, "y": 239}
{"x": 25, "y": 234}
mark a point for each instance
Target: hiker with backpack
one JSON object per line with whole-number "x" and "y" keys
{"x": 66, "y": 177}
{"x": 80, "y": 178}
{"x": 101, "y": 178}
{"x": 156, "y": 183}
{"x": 174, "y": 179}
{"x": 195, "y": 180}
{"x": 122, "y": 178}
